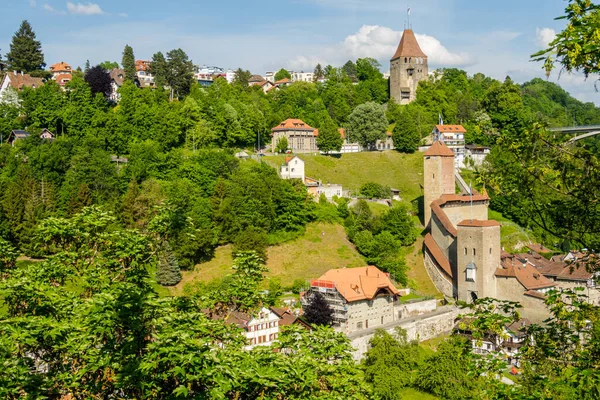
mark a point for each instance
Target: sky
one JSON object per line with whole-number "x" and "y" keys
{"x": 492, "y": 37}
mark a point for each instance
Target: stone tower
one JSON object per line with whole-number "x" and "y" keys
{"x": 438, "y": 176}
{"x": 478, "y": 258}
{"x": 408, "y": 67}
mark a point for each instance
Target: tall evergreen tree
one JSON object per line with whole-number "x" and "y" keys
{"x": 25, "y": 51}
{"x": 158, "y": 68}
{"x": 318, "y": 73}
{"x": 87, "y": 66}
{"x": 242, "y": 77}
{"x": 128, "y": 63}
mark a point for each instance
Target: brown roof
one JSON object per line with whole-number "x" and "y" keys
{"x": 519, "y": 326}
{"x": 285, "y": 315}
{"x": 256, "y": 78}
{"x": 118, "y": 75}
{"x": 439, "y": 149}
{"x": 437, "y": 254}
{"x": 526, "y": 274}
{"x": 478, "y": 223}
{"x": 18, "y": 81}
{"x": 436, "y": 208}
{"x": 450, "y": 128}
{"x": 355, "y": 284}
{"x": 293, "y": 124}
{"x": 538, "y": 248}
{"x": 408, "y": 47}
{"x": 61, "y": 66}
{"x": 284, "y": 80}
{"x": 62, "y": 77}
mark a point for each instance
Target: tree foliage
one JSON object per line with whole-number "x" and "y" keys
{"x": 25, "y": 53}
{"x": 317, "y": 311}
{"x": 99, "y": 80}
{"x": 282, "y": 74}
{"x": 128, "y": 63}
{"x": 367, "y": 124}
{"x": 329, "y": 138}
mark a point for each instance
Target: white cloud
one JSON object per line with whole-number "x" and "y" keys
{"x": 51, "y": 9}
{"x": 544, "y": 36}
{"x": 84, "y": 9}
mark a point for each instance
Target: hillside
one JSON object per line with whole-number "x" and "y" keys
{"x": 397, "y": 170}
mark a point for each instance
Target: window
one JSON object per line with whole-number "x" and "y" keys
{"x": 405, "y": 95}
{"x": 490, "y": 250}
{"x": 465, "y": 251}
{"x": 359, "y": 325}
{"x": 474, "y": 251}
{"x": 410, "y": 71}
{"x": 470, "y": 272}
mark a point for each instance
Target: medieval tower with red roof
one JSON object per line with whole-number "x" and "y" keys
{"x": 408, "y": 67}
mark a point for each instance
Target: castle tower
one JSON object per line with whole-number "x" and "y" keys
{"x": 478, "y": 258}
{"x": 408, "y": 67}
{"x": 438, "y": 176}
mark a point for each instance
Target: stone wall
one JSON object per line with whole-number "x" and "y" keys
{"x": 509, "y": 288}
{"x": 413, "y": 309}
{"x": 441, "y": 282}
{"x": 419, "y": 328}
{"x": 459, "y": 212}
{"x": 592, "y": 293}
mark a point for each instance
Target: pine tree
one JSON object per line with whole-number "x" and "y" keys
{"x": 158, "y": 69}
{"x": 180, "y": 73}
{"x": 329, "y": 138}
{"x": 87, "y": 66}
{"x": 168, "y": 272}
{"x": 25, "y": 52}
{"x": 318, "y": 311}
{"x": 83, "y": 198}
{"x": 128, "y": 63}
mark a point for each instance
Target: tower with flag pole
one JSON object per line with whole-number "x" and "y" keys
{"x": 408, "y": 66}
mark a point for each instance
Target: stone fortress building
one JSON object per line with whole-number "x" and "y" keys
{"x": 463, "y": 255}
{"x": 408, "y": 67}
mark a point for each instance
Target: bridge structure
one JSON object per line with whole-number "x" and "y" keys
{"x": 584, "y": 131}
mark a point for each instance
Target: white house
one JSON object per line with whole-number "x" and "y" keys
{"x": 452, "y": 136}
{"x": 475, "y": 154}
{"x": 292, "y": 169}
{"x": 117, "y": 77}
{"x": 302, "y": 76}
{"x": 260, "y": 329}
{"x": 17, "y": 81}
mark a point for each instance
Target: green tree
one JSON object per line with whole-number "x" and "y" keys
{"x": 373, "y": 190}
{"x": 577, "y": 46}
{"x": 317, "y": 311}
{"x": 159, "y": 69}
{"x": 241, "y": 78}
{"x": 329, "y": 138}
{"x": 251, "y": 239}
{"x": 405, "y": 134}
{"x": 350, "y": 70}
{"x": 399, "y": 223}
{"x": 368, "y": 69}
{"x": 167, "y": 272}
{"x": 282, "y": 74}
{"x": 109, "y": 65}
{"x": 128, "y": 63}
{"x": 318, "y": 73}
{"x": 282, "y": 145}
{"x": 8, "y": 256}
{"x": 25, "y": 51}
{"x": 87, "y": 66}
{"x": 367, "y": 124}
{"x": 180, "y": 73}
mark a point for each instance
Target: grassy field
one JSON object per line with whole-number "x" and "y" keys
{"x": 414, "y": 394}
{"x": 512, "y": 236}
{"x": 322, "y": 247}
{"x": 352, "y": 170}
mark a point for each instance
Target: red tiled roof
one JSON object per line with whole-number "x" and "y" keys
{"x": 538, "y": 248}
{"x": 439, "y": 149}
{"x": 61, "y": 66}
{"x": 358, "y": 283}
{"x": 60, "y": 78}
{"x": 293, "y": 124}
{"x": 408, "y": 46}
{"x": 526, "y": 274}
{"x": 437, "y": 254}
{"x": 436, "y": 208}
{"x": 282, "y": 81}
{"x": 450, "y": 128}
{"x": 19, "y": 81}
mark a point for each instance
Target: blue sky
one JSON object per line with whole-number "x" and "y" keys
{"x": 493, "y": 37}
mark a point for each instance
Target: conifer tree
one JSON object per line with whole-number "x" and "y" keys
{"x": 318, "y": 73}
{"x": 87, "y": 66}
{"x": 168, "y": 272}
{"x": 158, "y": 68}
{"x": 25, "y": 51}
{"x": 128, "y": 63}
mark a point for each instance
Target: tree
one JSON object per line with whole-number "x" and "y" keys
{"x": 405, "y": 134}
{"x": 329, "y": 138}
{"x": 368, "y": 69}
{"x": 25, "y": 51}
{"x": 241, "y": 78}
{"x": 128, "y": 63}
{"x": 282, "y": 145}
{"x": 167, "y": 273}
{"x": 318, "y": 73}
{"x": 373, "y": 190}
{"x": 109, "y": 65}
{"x": 282, "y": 74}
{"x": 251, "y": 239}
{"x": 179, "y": 73}
{"x": 350, "y": 70}
{"x": 87, "y": 66}
{"x": 99, "y": 80}
{"x": 367, "y": 124}
{"x": 158, "y": 68}
{"x": 8, "y": 256}
{"x": 317, "y": 311}
{"x": 399, "y": 223}
{"x": 577, "y": 47}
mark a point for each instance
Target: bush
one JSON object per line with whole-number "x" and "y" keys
{"x": 168, "y": 272}
{"x": 251, "y": 239}
{"x": 374, "y": 190}
{"x": 298, "y": 285}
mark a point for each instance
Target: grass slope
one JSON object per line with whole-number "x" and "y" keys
{"x": 352, "y": 170}
{"x": 307, "y": 257}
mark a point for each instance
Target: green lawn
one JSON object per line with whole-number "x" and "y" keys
{"x": 414, "y": 394}
{"x": 322, "y": 247}
{"x": 391, "y": 168}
